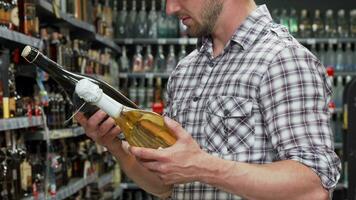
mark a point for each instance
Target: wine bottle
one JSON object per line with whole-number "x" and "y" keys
{"x": 141, "y": 128}
{"x": 68, "y": 80}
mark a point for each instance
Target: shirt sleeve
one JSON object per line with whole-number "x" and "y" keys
{"x": 294, "y": 97}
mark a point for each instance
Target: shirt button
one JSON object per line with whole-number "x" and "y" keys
{"x": 195, "y": 99}
{"x": 211, "y": 64}
{"x": 226, "y": 112}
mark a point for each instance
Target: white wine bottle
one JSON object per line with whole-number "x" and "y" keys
{"x": 68, "y": 79}
{"x": 141, "y": 128}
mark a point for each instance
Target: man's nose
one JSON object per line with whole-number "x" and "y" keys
{"x": 172, "y": 7}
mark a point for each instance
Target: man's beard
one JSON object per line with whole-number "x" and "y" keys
{"x": 210, "y": 14}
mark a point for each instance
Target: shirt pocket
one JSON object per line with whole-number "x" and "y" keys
{"x": 230, "y": 124}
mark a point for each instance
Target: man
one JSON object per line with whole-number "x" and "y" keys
{"x": 250, "y": 110}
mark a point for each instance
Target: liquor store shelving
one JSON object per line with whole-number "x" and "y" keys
{"x": 193, "y": 41}
{"x": 56, "y": 134}
{"x": 79, "y": 27}
{"x": 20, "y": 122}
{"x": 76, "y": 185}
{"x": 14, "y": 38}
{"x": 143, "y": 75}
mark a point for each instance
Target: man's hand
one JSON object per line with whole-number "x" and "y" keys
{"x": 101, "y": 128}
{"x": 180, "y": 163}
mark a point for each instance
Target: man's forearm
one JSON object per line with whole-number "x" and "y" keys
{"x": 280, "y": 180}
{"x": 144, "y": 178}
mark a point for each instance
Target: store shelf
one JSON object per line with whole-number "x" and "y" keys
{"x": 106, "y": 42}
{"x": 353, "y": 73}
{"x": 193, "y": 41}
{"x": 131, "y": 186}
{"x": 80, "y": 29}
{"x": 163, "y": 41}
{"x": 117, "y": 192}
{"x": 144, "y": 75}
{"x": 67, "y": 191}
{"x": 56, "y": 134}
{"x": 105, "y": 179}
{"x": 19, "y": 39}
{"x": 20, "y": 122}
{"x": 46, "y": 10}
{"x": 311, "y": 41}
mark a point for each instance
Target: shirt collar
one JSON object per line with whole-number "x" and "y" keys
{"x": 247, "y": 32}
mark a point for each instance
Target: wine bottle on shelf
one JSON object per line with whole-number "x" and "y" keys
{"x": 120, "y": 24}
{"x": 152, "y": 21}
{"x": 305, "y": 26}
{"x": 353, "y": 23}
{"x": 342, "y": 24}
{"x": 330, "y": 24}
{"x": 68, "y": 80}
{"x": 141, "y": 128}
{"x": 318, "y": 25}
{"x": 141, "y": 21}
{"x": 293, "y": 22}
{"x": 148, "y": 62}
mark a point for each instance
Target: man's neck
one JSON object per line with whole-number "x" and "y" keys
{"x": 232, "y": 16}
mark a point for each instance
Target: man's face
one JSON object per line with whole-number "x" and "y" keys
{"x": 199, "y": 16}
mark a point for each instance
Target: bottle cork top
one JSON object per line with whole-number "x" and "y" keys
{"x": 88, "y": 91}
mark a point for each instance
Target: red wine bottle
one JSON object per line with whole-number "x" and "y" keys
{"x": 68, "y": 80}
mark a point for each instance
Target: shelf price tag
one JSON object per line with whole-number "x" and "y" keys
{"x": 149, "y": 75}
{"x": 183, "y": 41}
{"x": 311, "y": 41}
{"x": 128, "y": 41}
{"x": 162, "y": 41}
{"x": 332, "y": 41}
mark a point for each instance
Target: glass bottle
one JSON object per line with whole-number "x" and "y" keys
{"x": 68, "y": 80}
{"x": 349, "y": 58}
{"x": 141, "y": 128}
{"x": 133, "y": 90}
{"x": 131, "y": 20}
{"x": 149, "y": 93}
{"x": 137, "y": 61}
{"x": 322, "y": 54}
{"x": 171, "y": 60}
{"x": 162, "y": 22}
{"x": 158, "y": 106}
{"x": 152, "y": 21}
{"x": 330, "y": 56}
{"x": 141, "y": 93}
{"x": 342, "y": 24}
{"x": 160, "y": 60}
{"x": 305, "y": 27}
{"x": 120, "y": 25}
{"x": 353, "y": 23}
{"x": 141, "y": 21}
{"x": 293, "y": 22}
{"x": 124, "y": 61}
{"x": 340, "y": 58}
{"x": 330, "y": 24}
{"x": 284, "y": 19}
{"x": 182, "y": 52}
{"x": 148, "y": 63}
{"x": 318, "y": 25}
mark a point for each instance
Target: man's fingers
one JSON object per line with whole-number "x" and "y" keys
{"x": 96, "y": 119}
{"x": 106, "y": 126}
{"x": 81, "y": 118}
{"x": 146, "y": 153}
{"x": 175, "y": 127}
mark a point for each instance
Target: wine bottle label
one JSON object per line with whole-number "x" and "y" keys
{"x": 6, "y": 109}
{"x": 26, "y": 175}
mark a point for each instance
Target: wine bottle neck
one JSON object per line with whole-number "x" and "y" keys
{"x": 110, "y": 106}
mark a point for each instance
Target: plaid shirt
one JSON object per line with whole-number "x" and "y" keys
{"x": 263, "y": 99}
